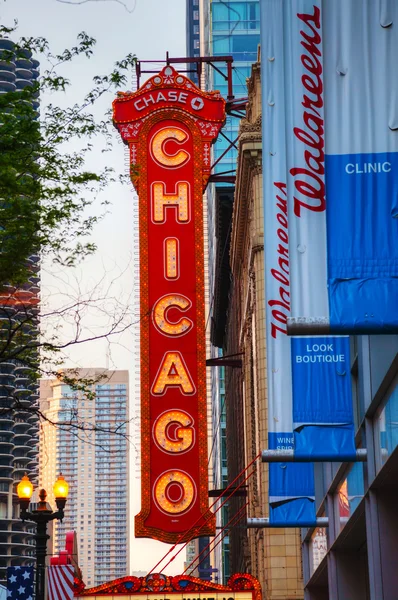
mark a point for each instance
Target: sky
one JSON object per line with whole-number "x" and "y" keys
{"x": 147, "y": 28}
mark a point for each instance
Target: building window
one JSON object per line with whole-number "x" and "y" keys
{"x": 387, "y": 426}
{"x": 350, "y": 492}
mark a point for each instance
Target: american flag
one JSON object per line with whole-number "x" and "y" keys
{"x": 60, "y": 582}
{"x": 20, "y": 583}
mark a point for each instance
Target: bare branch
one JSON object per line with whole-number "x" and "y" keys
{"x": 78, "y": 2}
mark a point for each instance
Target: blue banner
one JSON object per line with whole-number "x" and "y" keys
{"x": 323, "y": 425}
{"x": 291, "y": 487}
{"x": 362, "y": 249}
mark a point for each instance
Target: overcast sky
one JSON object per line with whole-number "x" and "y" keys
{"x": 149, "y": 30}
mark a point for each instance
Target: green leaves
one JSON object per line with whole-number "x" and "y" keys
{"x": 46, "y": 187}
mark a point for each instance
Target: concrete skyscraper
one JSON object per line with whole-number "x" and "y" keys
{"x": 18, "y": 392}
{"x": 89, "y": 445}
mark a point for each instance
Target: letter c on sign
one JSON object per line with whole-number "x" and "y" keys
{"x": 174, "y": 492}
{"x": 173, "y": 431}
{"x": 350, "y": 168}
{"x": 160, "y": 315}
{"x": 158, "y": 147}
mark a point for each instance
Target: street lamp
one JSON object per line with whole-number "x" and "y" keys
{"x": 41, "y": 515}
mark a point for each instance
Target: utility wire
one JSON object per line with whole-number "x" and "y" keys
{"x": 207, "y": 511}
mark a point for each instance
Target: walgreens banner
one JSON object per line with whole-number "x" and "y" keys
{"x": 309, "y": 387}
{"x": 334, "y": 75}
{"x": 169, "y": 125}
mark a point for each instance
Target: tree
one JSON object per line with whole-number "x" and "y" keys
{"x": 46, "y": 191}
{"x": 44, "y": 186}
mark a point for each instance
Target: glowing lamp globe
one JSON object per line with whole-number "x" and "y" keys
{"x": 25, "y": 488}
{"x": 61, "y": 487}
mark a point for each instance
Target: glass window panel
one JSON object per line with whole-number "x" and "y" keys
{"x": 237, "y": 11}
{"x": 318, "y": 547}
{"x": 221, "y": 45}
{"x": 244, "y": 47}
{"x": 350, "y": 492}
{"x": 220, "y": 11}
{"x": 218, "y": 78}
{"x": 387, "y": 426}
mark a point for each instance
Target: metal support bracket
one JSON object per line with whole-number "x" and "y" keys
{"x": 253, "y": 523}
{"x": 269, "y": 456}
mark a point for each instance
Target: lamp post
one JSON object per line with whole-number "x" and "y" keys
{"x": 41, "y": 515}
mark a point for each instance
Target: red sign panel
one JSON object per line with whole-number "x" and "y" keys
{"x": 169, "y": 125}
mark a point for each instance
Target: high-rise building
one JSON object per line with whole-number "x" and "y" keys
{"x": 235, "y": 31}
{"x": 18, "y": 392}
{"x": 89, "y": 445}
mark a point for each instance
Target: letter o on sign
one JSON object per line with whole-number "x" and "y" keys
{"x": 174, "y": 492}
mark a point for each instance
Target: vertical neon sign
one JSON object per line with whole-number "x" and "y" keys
{"x": 169, "y": 125}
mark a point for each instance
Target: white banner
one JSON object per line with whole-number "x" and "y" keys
{"x": 334, "y": 87}
{"x": 309, "y": 386}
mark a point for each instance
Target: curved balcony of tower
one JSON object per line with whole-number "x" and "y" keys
{"x": 20, "y": 467}
{"x": 6, "y": 466}
{"x": 6, "y": 401}
{"x": 34, "y": 285}
{"x": 34, "y": 424}
{"x": 23, "y": 70}
{"x": 7, "y": 380}
{"x": 33, "y": 262}
{"x": 17, "y": 544}
{"x": 22, "y": 370}
{"x": 6, "y": 366}
{"x": 33, "y": 464}
{"x": 22, "y": 392}
{"x": 21, "y": 542}
{"x": 20, "y": 423}
{"x": 7, "y": 66}
{"x": 7, "y": 323}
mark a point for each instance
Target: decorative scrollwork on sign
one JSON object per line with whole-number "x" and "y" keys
{"x": 130, "y": 130}
{"x": 207, "y": 129}
{"x": 206, "y": 154}
{"x": 158, "y": 582}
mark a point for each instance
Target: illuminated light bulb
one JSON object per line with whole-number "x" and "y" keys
{"x": 25, "y": 488}
{"x": 161, "y": 200}
{"x": 161, "y": 321}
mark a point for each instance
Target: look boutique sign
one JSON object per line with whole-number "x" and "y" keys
{"x": 169, "y": 125}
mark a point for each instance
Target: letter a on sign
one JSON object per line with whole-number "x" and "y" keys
{"x": 169, "y": 126}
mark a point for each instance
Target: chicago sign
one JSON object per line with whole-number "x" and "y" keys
{"x": 169, "y": 126}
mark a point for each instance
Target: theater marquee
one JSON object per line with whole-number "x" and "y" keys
{"x": 169, "y": 125}
{"x": 157, "y": 586}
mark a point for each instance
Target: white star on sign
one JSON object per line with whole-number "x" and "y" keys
{"x": 26, "y": 575}
{"x": 9, "y": 593}
{"x": 21, "y": 590}
{"x": 13, "y": 578}
{"x": 29, "y": 598}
